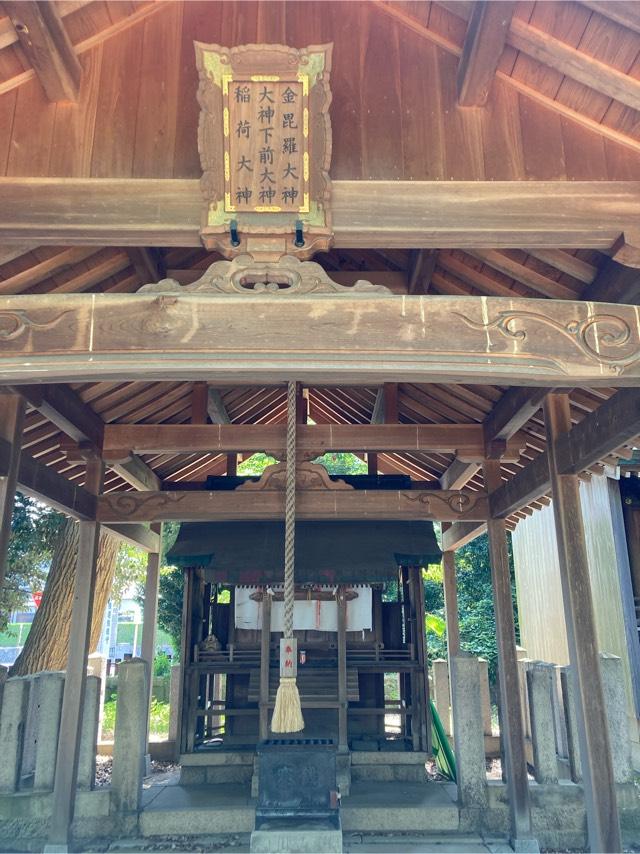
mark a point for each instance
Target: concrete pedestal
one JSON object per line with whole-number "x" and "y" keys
{"x": 468, "y": 731}
{"x": 130, "y": 736}
{"x": 296, "y": 837}
{"x": 540, "y": 678}
{"x": 46, "y": 706}
{"x": 12, "y": 724}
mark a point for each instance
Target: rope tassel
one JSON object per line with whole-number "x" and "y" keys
{"x": 287, "y": 713}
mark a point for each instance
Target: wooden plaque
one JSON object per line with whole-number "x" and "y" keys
{"x": 265, "y": 146}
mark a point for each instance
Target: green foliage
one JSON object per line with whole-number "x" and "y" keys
{"x": 34, "y": 530}
{"x": 254, "y": 465}
{"x": 158, "y": 717}
{"x": 131, "y": 570}
{"x": 342, "y": 463}
{"x": 435, "y": 624}
{"x": 161, "y": 664}
{"x": 475, "y": 604}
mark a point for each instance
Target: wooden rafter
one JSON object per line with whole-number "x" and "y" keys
{"x": 428, "y": 214}
{"x": 395, "y": 11}
{"x": 47, "y": 46}
{"x": 481, "y": 52}
{"x": 119, "y": 26}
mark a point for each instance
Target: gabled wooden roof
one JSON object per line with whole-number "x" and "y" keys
{"x": 563, "y": 106}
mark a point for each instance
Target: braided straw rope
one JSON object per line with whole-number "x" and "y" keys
{"x": 287, "y": 712}
{"x": 290, "y": 513}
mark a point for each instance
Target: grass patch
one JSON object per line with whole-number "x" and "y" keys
{"x": 158, "y": 719}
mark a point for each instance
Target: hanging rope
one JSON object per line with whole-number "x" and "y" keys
{"x": 287, "y": 713}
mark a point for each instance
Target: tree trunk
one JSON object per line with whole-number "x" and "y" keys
{"x": 47, "y": 642}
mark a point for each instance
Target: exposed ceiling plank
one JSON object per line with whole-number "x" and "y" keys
{"x": 48, "y": 48}
{"x": 614, "y": 283}
{"x": 626, "y": 14}
{"x": 481, "y": 52}
{"x": 41, "y": 270}
{"x": 567, "y": 263}
{"x": 573, "y": 63}
{"x": 165, "y": 212}
{"x": 395, "y": 11}
{"x": 525, "y": 275}
{"x": 119, "y": 26}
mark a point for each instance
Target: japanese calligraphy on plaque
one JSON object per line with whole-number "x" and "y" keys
{"x": 265, "y": 148}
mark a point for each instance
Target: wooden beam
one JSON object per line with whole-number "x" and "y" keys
{"x": 573, "y": 63}
{"x": 466, "y": 440}
{"x": 461, "y": 533}
{"x": 145, "y": 263}
{"x": 481, "y": 52}
{"x": 378, "y": 339}
{"x": 64, "y": 408}
{"x": 591, "y": 712}
{"x": 624, "y": 13}
{"x": 530, "y": 483}
{"x": 137, "y": 473}
{"x": 137, "y": 535}
{"x": 516, "y": 406}
{"x": 201, "y": 506}
{"x": 423, "y": 263}
{"x": 458, "y": 474}
{"x": 12, "y": 408}
{"x": 463, "y": 10}
{"x": 369, "y": 214}
{"x": 215, "y": 407}
{"x": 614, "y": 423}
{"x": 48, "y": 48}
{"x": 511, "y": 720}
{"x": 614, "y": 283}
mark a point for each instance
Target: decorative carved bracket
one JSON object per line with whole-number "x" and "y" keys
{"x": 245, "y": 277}
{"x": 309, "y": 476}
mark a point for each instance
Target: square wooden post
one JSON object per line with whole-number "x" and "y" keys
{"x": 11, "y": 424}
{"x": 342, "y": 671}
{"x": 64, "y": 787}
{"x": 591, "y": 715}
{"x": 150, "y": 612}
{"x": 265, "y": 661}
{"x": 511, "y": 728}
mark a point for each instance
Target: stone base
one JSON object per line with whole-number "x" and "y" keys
{"x": 296, "y": 837}
{"x": 525, "y": 846}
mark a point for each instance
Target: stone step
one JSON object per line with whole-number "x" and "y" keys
{"x": 406, "y": 807}
{"x": 389, "y": 773}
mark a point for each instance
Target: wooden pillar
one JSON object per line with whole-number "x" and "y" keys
{"x": 150, "y": 619}
{"x": 64, "y": 787}
{"x": 511, "y": 728}
{"x": 591, "y": 715}
{"x": 265, "y": 656}
{"x": 422, "y": 692}
{"x": 342, "y": 671}
{"x": 451, "y": 604}
{"x": 11, "y": 424}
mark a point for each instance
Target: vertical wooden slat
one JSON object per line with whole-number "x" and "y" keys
{"x": 151, "y": 589}
{"x": 64, "y": 787}
{"x": 511, "y": 729}
{"x": 451, "y": 605}
{"x": 591, "y": 714}
{"x": 342, "y": 670}
{"x": 11, "y": 425}
{"x": 421, "y": 641}
{"x": 265, "y": 654}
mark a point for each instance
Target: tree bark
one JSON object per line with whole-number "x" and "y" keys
{"x": 47, "y": 643}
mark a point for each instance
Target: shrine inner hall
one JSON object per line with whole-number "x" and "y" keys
{"x": 390, "y": 253}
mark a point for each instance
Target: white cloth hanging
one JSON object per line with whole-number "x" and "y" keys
{"x": 308, "y": 614}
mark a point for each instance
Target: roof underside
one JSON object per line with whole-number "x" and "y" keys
{"x": 137, "y": 117}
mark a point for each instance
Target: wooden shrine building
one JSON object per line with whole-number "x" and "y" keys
{"x": 424, "y": 215}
